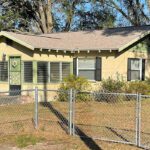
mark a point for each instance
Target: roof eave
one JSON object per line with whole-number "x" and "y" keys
{"x": 3, "y": 33}
{"x": 78, "y": 49}
{"x": 133, "y": 41}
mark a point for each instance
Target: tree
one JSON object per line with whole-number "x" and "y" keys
{"x": 45, "y": 16}
{"x": 148, "y": 3}
{"x": 37, "y": 12}
{"x": 7, "y": 20}
{"x": 131, "y": 10}
{"x": 86, "y": 14}
{"x": 98, "y": 17}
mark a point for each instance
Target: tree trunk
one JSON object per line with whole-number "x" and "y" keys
{"x": 45, "y": 17}
{"x": 48, "y": 16}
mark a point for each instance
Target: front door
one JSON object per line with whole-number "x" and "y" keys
{"x": 15, "y": 74}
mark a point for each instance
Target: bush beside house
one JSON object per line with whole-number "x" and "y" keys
{"x": 79, "y": 84}
{"x": 120, "y": 86}
{"x": 109, "y": 85}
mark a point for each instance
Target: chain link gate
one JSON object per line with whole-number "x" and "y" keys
{"x": 114, "y": 117}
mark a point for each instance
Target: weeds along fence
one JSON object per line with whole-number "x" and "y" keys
{"x": 116, "y": 117}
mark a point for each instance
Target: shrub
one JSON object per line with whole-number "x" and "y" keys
{"x": 77, "y": 83}
{"x": 147, "y": 80}
{"x": 137, "y": 87}
{"x": 112, "y": 85}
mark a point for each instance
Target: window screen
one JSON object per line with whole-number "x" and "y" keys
{"x": 135, "y": 64}
{"x": 89, "y": 74}
{"x": 86, "y": 63}
{"x": 28, "y": 72}
{"x": 3, "y": 71}
{"x": 42, "y": 72}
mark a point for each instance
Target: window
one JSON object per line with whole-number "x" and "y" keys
{"x": 86, "y": 68}
{"x": 28, "y": 72}
{"x": 3, "y": 71}
{"x": 55, "y": 72}
{"x": 89, "y": 68}
{"x": 42, "y": 72}
{"x": 59, "y": 71}
{"x": 52, "y": 71}
{"x": 136, "y": 69}
{"x": 65, "y": 70}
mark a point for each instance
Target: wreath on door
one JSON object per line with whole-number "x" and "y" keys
{"x": 14, "y": 63}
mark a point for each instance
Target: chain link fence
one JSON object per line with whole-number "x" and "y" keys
{"x": 34, "y": 111}
{"x": 16, "y": 112}
{"x": 145, "y": 121}
{"x": 54, "y": 114}
{"x": 115, "y": 117}
{"x": 106, "y": 116}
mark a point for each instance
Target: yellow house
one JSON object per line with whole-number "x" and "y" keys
{"x": 28, "y": 60}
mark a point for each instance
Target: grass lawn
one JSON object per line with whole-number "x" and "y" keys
{"x": 93, "y": 119}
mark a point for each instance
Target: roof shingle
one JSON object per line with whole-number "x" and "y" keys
{"x": 108, "y": 39}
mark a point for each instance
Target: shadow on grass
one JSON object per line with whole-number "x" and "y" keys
{"x": 112, "y": 130}
{"x": 89, "y": 142}
{"x": 117, "y": 134}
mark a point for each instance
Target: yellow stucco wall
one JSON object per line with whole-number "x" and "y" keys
{"x": 114, "y": 64}
{"x": 29, "y": 55}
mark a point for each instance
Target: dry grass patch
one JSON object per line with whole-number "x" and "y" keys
{"x": 95, "y": 119}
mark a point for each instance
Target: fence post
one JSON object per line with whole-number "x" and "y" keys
{"x": 138, "y": 120}
{"x": 73, "y": 113}
{"x": 70, "y": 111}
{"x": 36, "y": 108}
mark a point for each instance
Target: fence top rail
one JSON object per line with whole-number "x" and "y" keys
{"x": 28, "y": 90}
{"x": 145, "y": 96}
{"x": 106, "y": 93}
{"x": 31, "y": 90}
{"x": 50, "y": 90}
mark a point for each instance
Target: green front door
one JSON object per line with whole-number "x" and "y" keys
{"x": 15, "y": 73}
